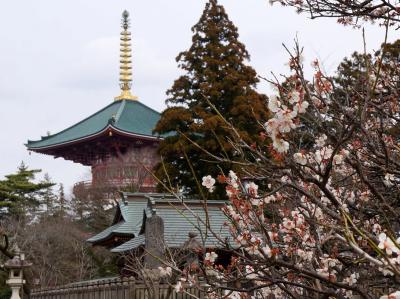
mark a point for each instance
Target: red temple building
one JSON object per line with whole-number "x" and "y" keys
{"x": 117, "y": 142}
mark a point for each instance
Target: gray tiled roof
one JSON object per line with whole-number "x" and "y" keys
{"x": 133, "y": 243}
{"x": 132, "y": 214}
{"x": 105, "y": 233}
{"x": 179, "y": 221}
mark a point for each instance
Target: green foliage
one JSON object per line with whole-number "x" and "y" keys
{"x": 105, "y": 263}
{"x": 354, "y": 74}
{"x": 5, "y": 291}
{"x": 48, "y": 199}
{"x": 88, "y": 205}
{"x": 215, "y": 75}
{"x": 62, "y": 205}
{"x": 19, "y": 192}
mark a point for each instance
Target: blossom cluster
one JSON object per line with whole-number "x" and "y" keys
{"x": 324, "y": 206}
{"x": 316, "y": 213}
{"x": 285, "y": 118}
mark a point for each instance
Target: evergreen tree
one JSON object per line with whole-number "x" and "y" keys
{"x": 47, "y": 197}
{"x": 354, "y": 73}
{"x": 90, "y": 207}
{"x": 62, "y": 202}
{"x": 216, "y": 73}
{"x": 19, "y": 192}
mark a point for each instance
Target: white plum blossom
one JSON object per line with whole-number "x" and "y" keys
{"x": 281, "y": 145}
{"x": 281, "y": 123}
{"x": 285, "y": 121}
{"x": 376, "y": 228}
{"x": 323, "y": 154}
{"x": 338, "y": 159}
{"x": 316, "y": 101}
{"x": 285, "y": 179}
{"x": 232, "y": 295}
{"x": 269, "y": 199}
{"x": 294, "y": 97}
{"x": 389, "y": 178}
{"x": 300, "y": 158}
{"x": 395, "y": 295}
{"x": 320, "y": 141}
{"x": 305, "y": 255}
{"x": 256, "y": 201}
{"x": 252, "y": 189}
{"x": 301, "y": 107}
{"x": 178, "y": 287}
{"x": 233, "y": 176}
{"x": 165, "y": 271}
{"x": 267, "y": 250}
{"x": 209, "y": 182}
{"x": 274, "y": 104}
{"x": 385, "y": 243}
{"x": 241, "y": 240}
{"x": 352, "y": 279}
{"x": 298, "y": 217}
{"x": 288, "y": 224}
{"x": 271, "y": 126}
{"x": 253, "y": 249}
{"x": 211, "y": 257}
{"x": 385, "y": 271}
{"x": 364, "y": 196}
{"x": 250, "y": 272}
{"x": 233, "y": 180}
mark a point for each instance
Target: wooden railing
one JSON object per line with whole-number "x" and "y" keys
{"x": 130, "y": 288}
{"x": 114, "y": 288}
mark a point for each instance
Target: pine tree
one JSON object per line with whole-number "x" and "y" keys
{"x": 216, "y": 73}
{"x": 19, "y": 192}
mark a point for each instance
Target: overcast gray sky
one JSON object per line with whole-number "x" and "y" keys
{"x": 59, "y": 60}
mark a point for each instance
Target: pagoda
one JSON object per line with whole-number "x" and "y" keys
{"x": 117, "y": 142}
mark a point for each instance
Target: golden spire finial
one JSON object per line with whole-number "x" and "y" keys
{"x": 125, "y": 73}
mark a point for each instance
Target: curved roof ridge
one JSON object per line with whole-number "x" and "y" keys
{"x": 144, "y": 105}
{"x": 131, "y": 117}
{"x": 120, "y": 110}
{"x": 74, "y": 125}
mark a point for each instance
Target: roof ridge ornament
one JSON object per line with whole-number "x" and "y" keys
{"x": 125, "y": 73}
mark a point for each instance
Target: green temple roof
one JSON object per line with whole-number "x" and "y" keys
{"x": 124, "y": 116}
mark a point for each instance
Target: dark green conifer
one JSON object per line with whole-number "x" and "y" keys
{"x": 216, "y": 73}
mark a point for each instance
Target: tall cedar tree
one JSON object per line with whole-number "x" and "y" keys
{"x": 215, "y": 72}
